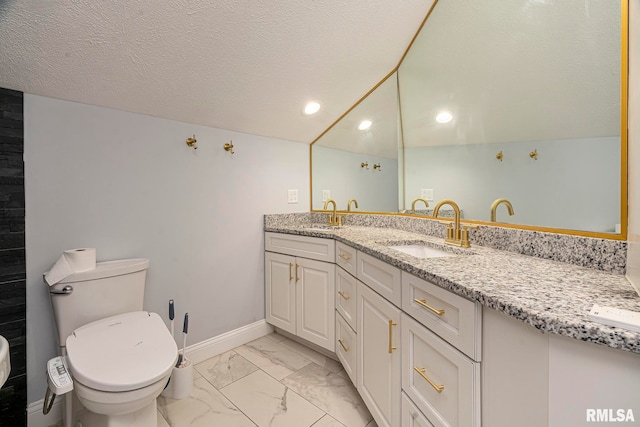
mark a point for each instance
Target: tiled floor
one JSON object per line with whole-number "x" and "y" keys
{"x": 270, "y": 382}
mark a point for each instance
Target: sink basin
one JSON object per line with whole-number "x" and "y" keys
{"x": 422, "y": 251}
{"x": 5, "y": 365}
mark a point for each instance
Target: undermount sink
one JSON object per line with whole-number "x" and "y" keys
{"x": 422, "y": 251}
{"x": 5, "y": 365}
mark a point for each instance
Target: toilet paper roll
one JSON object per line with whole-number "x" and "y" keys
{"x": 71, "y": 261}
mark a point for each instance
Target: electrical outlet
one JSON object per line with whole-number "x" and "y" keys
{"x": 293, "y": 196}
{"x": 427, "y": 193}
{"x": 326, "y": 195}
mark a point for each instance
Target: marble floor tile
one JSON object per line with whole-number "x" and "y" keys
{"x": 328, "y": 421}
{"x": 225, "y": 368}
{"x": 269, "y": 403}
{"x": 276, "y": 337}
{"x": 331, "y": 393}
{"x": 272, "y": 357}
{"x": 317, "y": 358}
{"x": 372, "y": 423}
{"x": 204, "y": 408}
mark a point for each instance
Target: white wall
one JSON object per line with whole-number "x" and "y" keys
{"x": 633, "y": 253}
{"x": 574, "y": 184}
{"x": 128, "y": 185}
{"x": 341, "y": 173}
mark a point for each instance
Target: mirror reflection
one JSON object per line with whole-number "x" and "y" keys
{"x": 531, "y": 91}
{"x": 358, "y": 157}
{"x": 516, "y": 100}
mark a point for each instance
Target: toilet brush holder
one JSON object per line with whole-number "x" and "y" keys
{"x": 181, "y": 381}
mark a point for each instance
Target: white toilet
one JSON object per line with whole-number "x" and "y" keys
{"x": 120, "y": 357}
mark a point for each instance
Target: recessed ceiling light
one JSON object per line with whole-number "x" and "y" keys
{"x": 311, "y": 108}
{"x": 444, "y": 117}
{"x": 365, "y": 124}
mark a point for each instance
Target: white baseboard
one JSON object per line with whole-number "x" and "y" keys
{"x": 35, "y": 417}
{"x": 197, "y": 353}
{"x": 212, "y": 347}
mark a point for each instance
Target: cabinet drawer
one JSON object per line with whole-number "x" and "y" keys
{"x": 383, "y": 278}
{"x": 346, "y": 288}
{"x": 346, "y": 258}
{"x": 411, "y": 415}
{"x": 426, "y": 357}
{"x": 346, "y": 342}
{"x": 302, "y": 246}
{"x": 453, "y": 318}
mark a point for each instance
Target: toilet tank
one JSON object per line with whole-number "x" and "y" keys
{"x": 114, "y": 287}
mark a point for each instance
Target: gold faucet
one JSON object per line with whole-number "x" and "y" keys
{"x": 455, "y": 236}
{"x": 418, "y": 199}
{"x": 334, "y": 218}
{"x": 494, "y": 207}
{"x": 349, "y": 204}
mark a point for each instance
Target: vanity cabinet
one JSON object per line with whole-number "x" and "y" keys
{"x": 378, "y": 360}
{"x": 455, "y": 319}
{"x": 300, "y": 291}
{"x": 346, "y": 258}
{"x": 442, "y": 382}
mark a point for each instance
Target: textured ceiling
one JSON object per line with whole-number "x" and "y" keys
{"x": 243, "y": 65}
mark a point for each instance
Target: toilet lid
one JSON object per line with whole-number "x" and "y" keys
{"x": 121, "y": 353}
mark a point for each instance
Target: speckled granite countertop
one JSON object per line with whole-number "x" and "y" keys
{"x": 548, "y": 295}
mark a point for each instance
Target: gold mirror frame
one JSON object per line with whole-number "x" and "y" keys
{"x": 624, "y": 93}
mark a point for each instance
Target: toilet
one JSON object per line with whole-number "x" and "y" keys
{"x": 119, "y": 356}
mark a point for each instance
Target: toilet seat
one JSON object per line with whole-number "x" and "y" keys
{"x": 121, "y": 353}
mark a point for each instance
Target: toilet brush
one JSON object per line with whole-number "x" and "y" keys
{"x": 185, "y": 329}
{"x": 172, "y": 315}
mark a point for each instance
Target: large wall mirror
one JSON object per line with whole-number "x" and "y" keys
{"x": 534, "y": 100}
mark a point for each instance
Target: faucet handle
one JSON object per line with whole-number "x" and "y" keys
{"x": 464, "y": 234}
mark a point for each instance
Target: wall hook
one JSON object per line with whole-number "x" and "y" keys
{"x": 378, "y": 166}
{"x": 229, "y": 147}
{"x": 364, "y": 165}
{"x": 534, "y": 154}
{"x": 191, "y": 142}
{"x": 499, "y": 156}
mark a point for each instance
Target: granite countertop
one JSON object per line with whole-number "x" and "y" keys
{"x": 550, "y": 296}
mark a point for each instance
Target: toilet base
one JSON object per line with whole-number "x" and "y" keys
{"x": 145, "y": 417}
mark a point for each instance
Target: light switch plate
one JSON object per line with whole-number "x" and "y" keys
{"x": 293, "y": 196}
{"x": 427, "y": 193}
{"x": 326, "y": 195}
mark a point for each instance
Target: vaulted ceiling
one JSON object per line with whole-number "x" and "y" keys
{"x": 242, "y": 65}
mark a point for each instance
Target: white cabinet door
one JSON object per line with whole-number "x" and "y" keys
{"x": 315, "y": 302}
{"x": 378, "y": 363}
{"x": 280, "y": 291}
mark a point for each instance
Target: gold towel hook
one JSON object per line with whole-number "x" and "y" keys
{"x": 534, "y": 154}
{"x": 499, "y": 156}
{"x": 229, "y": 147}
{"x": 191, "y": 142}
{"x": 377, "y": 166}
{"x": 364, "y": 165}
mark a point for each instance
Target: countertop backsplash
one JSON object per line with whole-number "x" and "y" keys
{"x": 599, "y": 254}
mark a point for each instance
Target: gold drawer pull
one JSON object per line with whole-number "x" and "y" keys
{"x": 391, "y": 325}
{"x": 290, "y": 273}
{"x": 343, "y": 346}
{"x": 297, "y": 276}
{"x": 436, "y": 387}
{"x": 346, "y": 298}
{"x": 345, "y": 257}
{"x": 423, "y": 302}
